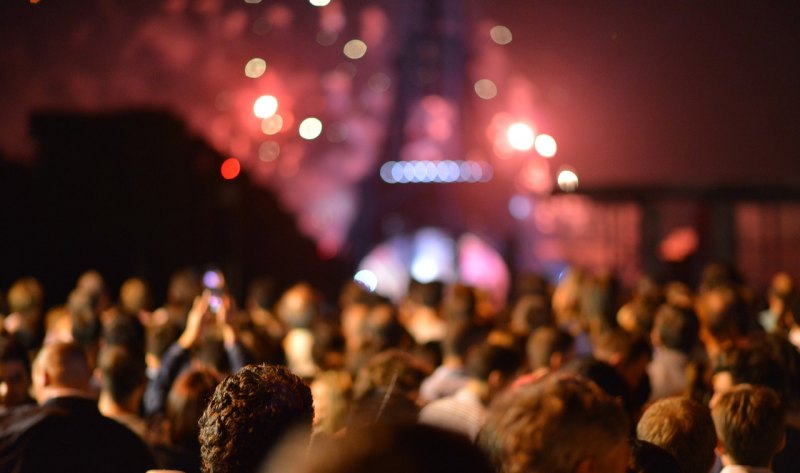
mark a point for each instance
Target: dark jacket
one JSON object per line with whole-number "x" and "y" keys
{"x": 68, "y": 434}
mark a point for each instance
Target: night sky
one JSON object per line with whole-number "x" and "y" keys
{"x": 685, "y": 94}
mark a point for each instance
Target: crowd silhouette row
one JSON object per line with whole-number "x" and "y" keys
{"x": 576, "y": 375}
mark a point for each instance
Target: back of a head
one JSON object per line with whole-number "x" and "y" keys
{"x": 601, "y": 373}
{"x": 545, "y": 342}
{"x": 248, "y": 415}
{"x": 122, "y": 373}
{"x": 186, "y": 402}
{"x": 298, "y": 306}
{"x": 26, "y": 296}
{"x": 683, "y": 427}
{"x": 647, "y": 457}
{"x": 461, "y": 337}
{"x": 126, "y": 331}
{"x": 489, "y": 358}
{"x": 536, "y": 427}
{"x": 750, "y": 424}
{"x": 66, "y": 365}
{"x": 677, "y": 328}
{"x": 531, "y": 312}
{"x": 391, "y": 449}
{"x": 86, "y": 325}
{"x": 134, "y": 296}
{"x": 426, "y": 294}
{"x": 386, "y": 388}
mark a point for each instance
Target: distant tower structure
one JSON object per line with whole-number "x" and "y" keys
{"x": 426, "y": 125}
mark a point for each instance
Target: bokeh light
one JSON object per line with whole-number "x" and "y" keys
{"x": 379, "y": 82}
{"x": 265, "y": 106}
{"x": 255, "y": 68}
{"x": 319, "y": 3}
{"x": 546, "y": 145}
{"x": 519, "y": 206}
{"x": 269, "y": 151}
{"x": 520, "y": 136}
{"x": 327, "y": 37}
{"x": 355, "y": 49}
{"x": 272, "y": 125}
{"x": 500, "y": 34}
{"x": 567, "y": 180}
{"x": 230, "y": 168}
{"x": 485, "y": 89}
{"x": 338, "y": 133}
{"x": 444, "y": 171}
{"x": 310, "y": 128}
{"x": 367, "y": 278}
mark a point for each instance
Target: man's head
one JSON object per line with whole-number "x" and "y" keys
{"x": 60, "y": 366}
{"x": 123, "y": 375}
{"x": 676, "y": 328}
{"x": 683, "y": 427}
{"x": 249, "y": 413}
{"x": 750, "y": 425}
{"x": 15, "y": 373}
{"x": 549, "y": 347}
{"x": 535, "y": 428}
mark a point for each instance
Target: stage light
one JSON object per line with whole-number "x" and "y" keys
{"x": 319, "y": 3}
{"x": 367, "y": 278}
{"x": 567, "y": 180}
{"x": 255, "y": 68}
{"x": 520, "y": 136}
{"x": 546, "y": 145}
{"x": 310, "y": 128}
{"x": 426, "y": 171}
{"x": 355, "y": 49}
{"x": 265, "y": 106}
{"x": 230, "y": 168}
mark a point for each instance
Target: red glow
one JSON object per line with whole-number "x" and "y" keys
{"x": 230, "y": 168}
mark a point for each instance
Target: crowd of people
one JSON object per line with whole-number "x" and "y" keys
{"x": 570, "y": 376}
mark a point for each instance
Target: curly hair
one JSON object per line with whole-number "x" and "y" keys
{"x": 552, "y": 426}
{"x": 248, "y": 415}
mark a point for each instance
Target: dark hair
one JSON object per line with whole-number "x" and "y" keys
{"x": 428, "y": 294}
{"x": 647, "y": 457}
{"x": 544, "y": 342}
{"x": 86, "y": 325}
{"x": 127, "y": 331}
{"x": 601, "y": 373}
{"x": 186, "y": 402}
{"x": 460, "y": 337}
{"x": 249, "y": 413}
{"x": 393, "y": 449}
{"x": 12, "y": 350}
{"x": 489, "y": 358}
{"x": 122, "y": 372}
{"x": 677, "y": 328}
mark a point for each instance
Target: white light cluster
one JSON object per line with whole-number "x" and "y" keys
{"x": 445, "y": 171}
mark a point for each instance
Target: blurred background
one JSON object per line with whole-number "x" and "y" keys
{"x": 427, "y": 139}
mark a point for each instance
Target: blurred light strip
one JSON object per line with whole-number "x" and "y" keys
{"x": 440, "y": 172}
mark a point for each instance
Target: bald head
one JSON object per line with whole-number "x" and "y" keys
{"x": 60, "y": 365}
